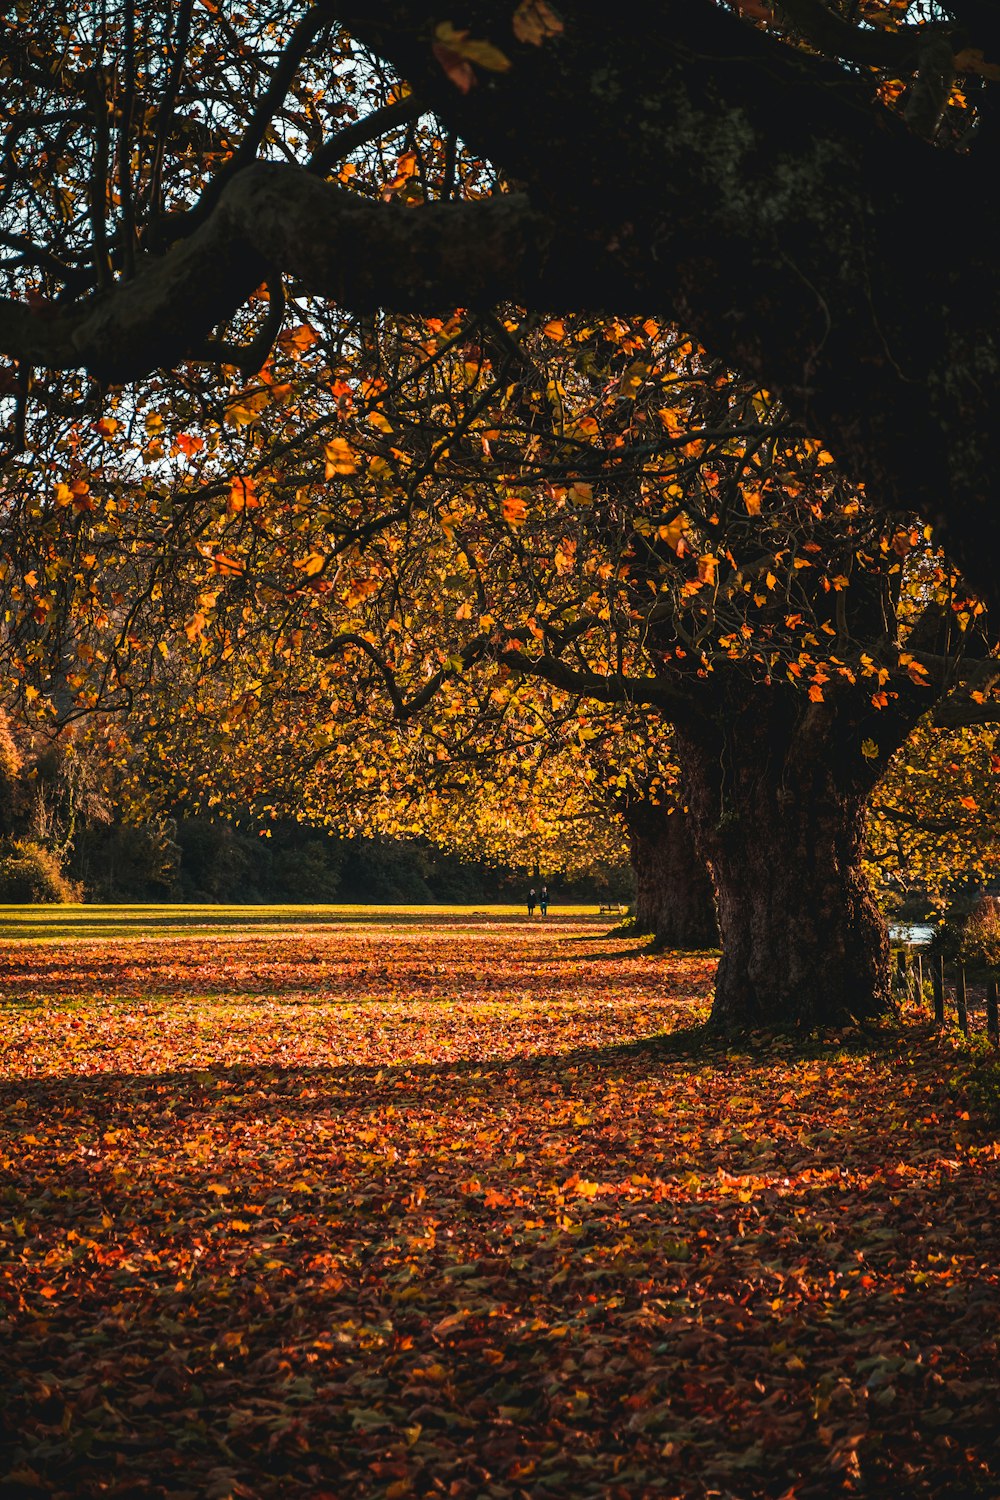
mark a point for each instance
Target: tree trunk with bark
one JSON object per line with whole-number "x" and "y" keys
{"x": 778, "y": 789}
{"x": 675, "y": 901}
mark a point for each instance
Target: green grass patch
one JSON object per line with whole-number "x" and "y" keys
{"x": 88, "y": 922}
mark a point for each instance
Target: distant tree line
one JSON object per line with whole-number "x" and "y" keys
{"x": 63, "y": 837}
{"x": 200, "y": 858}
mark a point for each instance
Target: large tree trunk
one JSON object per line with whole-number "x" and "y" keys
{"x": 674, "y": 899}
{"x": 778, "y": 789}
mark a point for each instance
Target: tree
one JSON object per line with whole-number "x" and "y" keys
{"x": 934, "y": 829}
{"x": 791, "y": 204}
{"x": 599, "y": 506}
{"x": 674, "y": 893}
{"x": 715, "y": 568}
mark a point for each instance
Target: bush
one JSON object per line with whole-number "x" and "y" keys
{"x": 30, "y": 873}
{"x": 127, "y": 861}
{"x": 979, "y": 943}
{"x": 306, "y": 872}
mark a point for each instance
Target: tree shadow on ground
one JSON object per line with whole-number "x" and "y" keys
{"x": 524, "y": 1274}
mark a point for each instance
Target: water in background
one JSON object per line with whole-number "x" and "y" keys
{"x": 917, "y": 933}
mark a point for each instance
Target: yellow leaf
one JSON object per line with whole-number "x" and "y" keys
{"x": 483, "y": 54}
{"x": 311, "y": 565}
{"x": 340, "y": 458}
{"x": 631, "y": 382}
{"x": 238, "y": 416}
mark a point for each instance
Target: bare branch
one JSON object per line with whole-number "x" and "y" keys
{"x": 404, "y": 707}
{"x": 361, "y": 132}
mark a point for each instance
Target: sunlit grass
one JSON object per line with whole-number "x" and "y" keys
{"x": 69, "y": 922}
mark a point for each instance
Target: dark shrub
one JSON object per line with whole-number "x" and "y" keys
{"x": 30, "y": 873}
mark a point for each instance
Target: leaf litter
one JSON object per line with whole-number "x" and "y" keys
{"x": 476, "y": 1210}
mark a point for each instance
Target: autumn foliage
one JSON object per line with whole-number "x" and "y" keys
{"x": 472, "y": 1208}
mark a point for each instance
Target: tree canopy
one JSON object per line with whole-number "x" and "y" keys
{"x": 370, "y": 364}
{"x": 780, "y": 182}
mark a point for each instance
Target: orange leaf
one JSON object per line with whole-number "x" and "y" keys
{"x": 459, "y": 71}
{"x": 514, "y": 510}
{"x": 340, "y": 458}
{"x": 242, "y": 495}
{"x": 534, "y": 21}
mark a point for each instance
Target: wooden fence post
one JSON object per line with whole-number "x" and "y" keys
{"x": 962, "y": 1000}
{"x": 992, "y": 1019}
{"x": 902, "y": 973}
{"x": 920, "y": 979}
{"x": 937, "y": 978}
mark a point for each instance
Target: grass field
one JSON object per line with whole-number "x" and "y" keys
{"x": 438, "y": 1204}
{"x": 36, "y": 923}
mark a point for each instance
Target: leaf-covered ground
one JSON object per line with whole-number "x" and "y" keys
{"x": 456, "y": 1212}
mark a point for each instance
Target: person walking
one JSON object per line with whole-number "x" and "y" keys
{"x": 543, "y": 901}
{"x": 531, "y": 902}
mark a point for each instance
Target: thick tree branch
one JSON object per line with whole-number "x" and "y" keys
{"x": 755, "y": 192}
{"x": 403, "y": 707}
{"x": 919, "y": 821}
{"x": 361, "y": 132}
{"x": 610, "y": 688}
{"x": 333, "y": 242}
{"x": 972, "y": 703}
{"x": 693, "y": 167}
{"x": 830, "y": 34}
{"x": 961, "y": 714}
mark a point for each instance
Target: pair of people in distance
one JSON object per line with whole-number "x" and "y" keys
{"x": 542, "y": 901}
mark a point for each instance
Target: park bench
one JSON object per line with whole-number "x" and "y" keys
{"x": 612, "y": 909}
